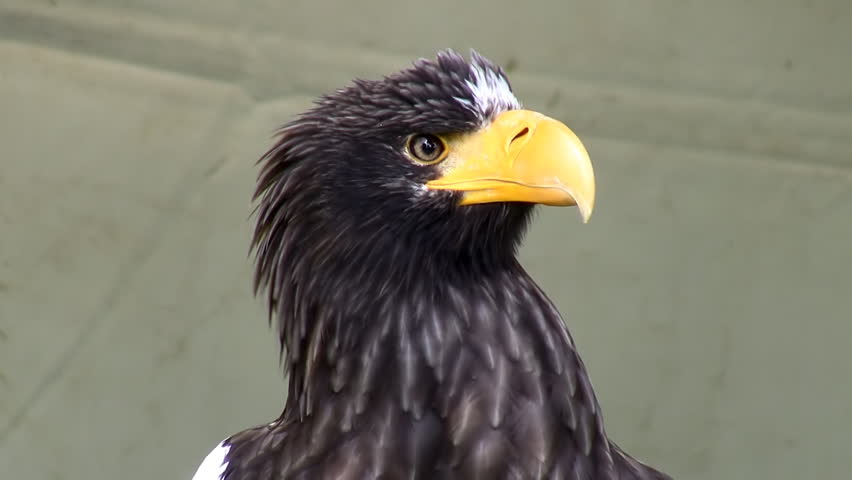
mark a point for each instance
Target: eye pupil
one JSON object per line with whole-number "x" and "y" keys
{"x": 426, "y": 148}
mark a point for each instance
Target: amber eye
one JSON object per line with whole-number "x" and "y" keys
{"x": 426, "y": 148}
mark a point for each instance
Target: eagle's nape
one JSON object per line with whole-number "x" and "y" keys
{"x": 417, "y": 346}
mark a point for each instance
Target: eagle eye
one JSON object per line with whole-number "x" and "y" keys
{"x": 426, "y": 148}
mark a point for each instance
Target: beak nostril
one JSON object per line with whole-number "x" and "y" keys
{"x": 520, "y": 134}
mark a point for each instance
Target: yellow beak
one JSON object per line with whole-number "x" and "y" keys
{"x": 522, "y": 156}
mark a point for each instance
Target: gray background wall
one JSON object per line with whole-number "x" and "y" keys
{"x": 714, "y": 312}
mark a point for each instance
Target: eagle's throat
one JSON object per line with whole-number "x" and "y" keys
{"x": 460, "y": 360}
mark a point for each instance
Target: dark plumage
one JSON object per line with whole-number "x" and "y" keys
{"x": 417, "y": 346}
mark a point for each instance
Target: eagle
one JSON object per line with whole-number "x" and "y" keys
{"x": 388, "y": 222}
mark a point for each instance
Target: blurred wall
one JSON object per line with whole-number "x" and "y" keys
{"x": 711, "y": 294}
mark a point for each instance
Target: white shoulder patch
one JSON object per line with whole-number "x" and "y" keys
{"x": 214, "y": 464}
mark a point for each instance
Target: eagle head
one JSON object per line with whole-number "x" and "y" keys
{"x": 435, "y": 164}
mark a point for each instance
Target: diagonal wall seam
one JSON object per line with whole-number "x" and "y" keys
{"x": 194, "y": 179}
{"x": 253, "y": 62}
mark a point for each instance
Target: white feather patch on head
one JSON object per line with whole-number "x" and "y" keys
{"x": 214, "y": 464}
{"x": 491, "y": 92}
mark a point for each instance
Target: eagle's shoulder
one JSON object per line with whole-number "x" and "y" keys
{"x": 630, "y": 468}
{"x": 246, "y": 454}
{"x": 214, "y": 463}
